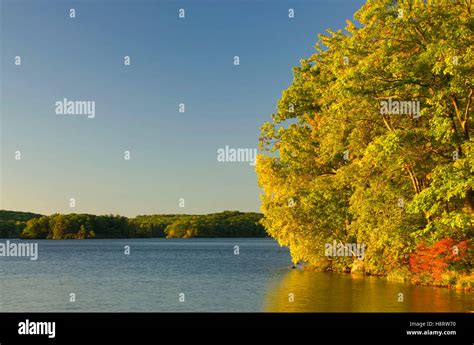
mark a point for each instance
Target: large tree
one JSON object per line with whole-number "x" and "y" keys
{"x": 336, "y": 165}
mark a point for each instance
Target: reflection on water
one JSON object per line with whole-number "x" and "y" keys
{"x": 333, "y": 292}
{"x": 213, "y": 278}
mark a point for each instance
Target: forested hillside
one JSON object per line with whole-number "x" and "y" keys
{"x": 82, "y": 226}
{"x": 12, "y": 223}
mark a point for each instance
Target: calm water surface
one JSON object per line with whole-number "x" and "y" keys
{"x": 206, "y": 271}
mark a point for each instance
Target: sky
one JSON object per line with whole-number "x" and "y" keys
{"x": 173, "y": 154}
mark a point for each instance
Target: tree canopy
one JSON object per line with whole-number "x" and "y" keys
{"x": 337, "y": 164}
{"x": 12, "y": 223}
{"x": 88, "y": 226}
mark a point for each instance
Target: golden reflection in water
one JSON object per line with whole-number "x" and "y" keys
{"x": 305, "y": 291}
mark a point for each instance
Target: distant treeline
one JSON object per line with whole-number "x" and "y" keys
{"x": 81, "y": 226}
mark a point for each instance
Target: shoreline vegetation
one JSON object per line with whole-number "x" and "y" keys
{"x": 27, "y": 225}
{"x": 227, "y": 224}
{"x": 372, "y": 145}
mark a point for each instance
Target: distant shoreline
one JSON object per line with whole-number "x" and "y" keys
{"x": 227, "y": 224}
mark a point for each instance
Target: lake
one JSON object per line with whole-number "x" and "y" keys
{"x": 165, "y": 275}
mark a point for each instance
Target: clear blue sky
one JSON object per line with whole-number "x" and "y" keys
{"x": 173, "y": 155}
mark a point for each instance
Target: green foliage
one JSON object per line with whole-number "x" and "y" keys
{"x": 153, "y": 225}
{"x": 82, "y": 226}
{"x": 37, "y": 228}
{"x": 335, "y": 167}
{"x": 12, "y": 223}
{"x": 225, "y": 224}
